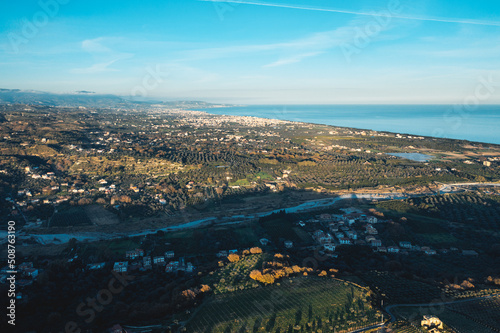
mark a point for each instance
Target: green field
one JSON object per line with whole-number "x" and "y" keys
{"x": 281, "y": 228}
{"x": 299, "y": 304}
{"x": 120, "y": 246}
{"x": 69, "y": 217}
{"x": 264, "y": 176}
{"x": 240, "y": 182}
{"x": 209, "y": 239}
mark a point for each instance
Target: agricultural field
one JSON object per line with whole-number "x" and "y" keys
{"x": 485, "y": 312}
{"x": 236, "y": 276}
{"x": 399, "y": 290}
{"x": 105, "y": 167}
{"x": 466, "y": 317}
{"x": 120, "y": 246}
{"x": 474, "y": 210}
{"x": 280, "y": 228}
{"x": 70, "y": 216}
{"x": 300, "y": 304}
{"x": 100, "y": 216}
{"x": 464, "y": 221}
{"x": 208, "y": 240}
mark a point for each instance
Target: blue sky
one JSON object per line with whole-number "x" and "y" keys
{"x": 256, "y": 52}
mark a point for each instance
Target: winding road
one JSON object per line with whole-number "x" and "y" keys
{"x": 433, "y": 304}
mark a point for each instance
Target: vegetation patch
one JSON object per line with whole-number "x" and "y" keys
{"x": 301, "y": 304}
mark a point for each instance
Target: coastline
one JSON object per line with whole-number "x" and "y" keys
{"x": 440, "y": 123}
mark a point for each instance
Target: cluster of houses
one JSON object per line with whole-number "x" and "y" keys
{"x": 340, "y": 229}
{"x": 358, "y": 227}
{"x": 104, "y": 187}
{"x": 136, "y": 260}
{"x": 225, "y": 253}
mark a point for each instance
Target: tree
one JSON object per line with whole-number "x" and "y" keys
{"x": 188, "y": 294}
{"x": 255, "y": 275}
{"x": 233, "y": 257}
{"x": 255, "y": 250}
{"x": 204, "y": 288}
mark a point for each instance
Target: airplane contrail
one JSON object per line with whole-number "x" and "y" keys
{"x": 417, "y": 18}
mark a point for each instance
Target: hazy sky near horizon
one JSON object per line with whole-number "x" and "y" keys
{"x": 261, "y": 52}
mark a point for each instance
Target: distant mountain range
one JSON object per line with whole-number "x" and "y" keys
{"x": 86, "y": 99}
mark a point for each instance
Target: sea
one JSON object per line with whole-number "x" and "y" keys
{"x": 478, "y": 123}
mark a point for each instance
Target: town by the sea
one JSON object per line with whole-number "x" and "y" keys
{"x": 479, "y": 123}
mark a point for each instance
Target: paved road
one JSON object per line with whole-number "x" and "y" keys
{"x": 447, "y": 187}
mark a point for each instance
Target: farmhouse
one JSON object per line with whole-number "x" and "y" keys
{"x": 431, "y": 322}
{"x": 120, "y": 266}
{"x": 368, "y": 239}
{"x": 189, "y": 267}
{"x": 172, "y": 266}
{"x": 329, "y": 247}
{"x": 146, "y": 262}
{"x": 264, "y": 241}
{"x": 405, "y": 245}
{"x": 393, "y": 249}
{"x": 159, "y": 260}
{"x": 371, "y": 230}
{"x": 131, "y": 255}
{"x": 345, "y": 241}
{"x": 98, "y": 265}
{"x": 430, "y": 252}
{"x": 352, "y": 234}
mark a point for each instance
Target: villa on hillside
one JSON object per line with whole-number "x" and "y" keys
{"x": 432, "y": 323}
{"x": 120, "y": 266}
